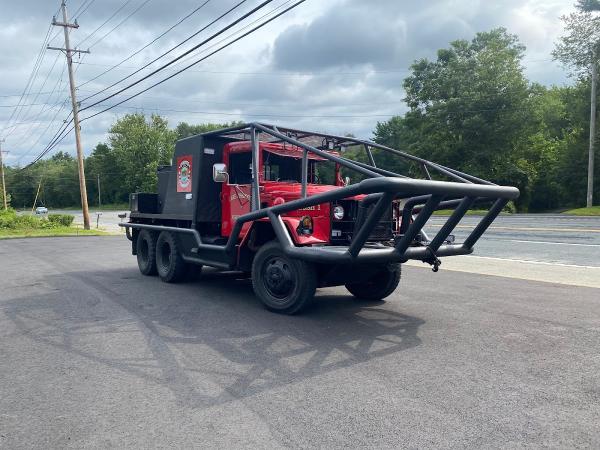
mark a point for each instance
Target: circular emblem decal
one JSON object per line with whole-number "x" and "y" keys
{"x": 184, "y": 174}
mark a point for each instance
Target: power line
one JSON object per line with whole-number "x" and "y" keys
{"x": 46, "y": 106}
{"x": 80, "y": 11}
{"x": 57, "y": 140}
{"x": 42, "y": 86}
{"x": 62, "y": 133}
{"x": 104, "y": 23}
{"x": 32, "y": 76}
{"x": 198, "y": 61}
{"x": 120, "y": 23}
{"x": 147, "y": 45}
{"x": 169, "y": 51}
{"x": 221, "y": 31}
{"x": 64, "y": 104}
{"x": 312, "y": 116}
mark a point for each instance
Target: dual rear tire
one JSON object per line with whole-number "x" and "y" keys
{"x": 379, "y": 286}
{"x": 161, "y": 256}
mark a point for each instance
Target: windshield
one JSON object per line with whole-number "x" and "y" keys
{"x": 286, "y": 169}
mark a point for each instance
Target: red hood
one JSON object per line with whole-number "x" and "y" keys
{"x": 293, "y": 191}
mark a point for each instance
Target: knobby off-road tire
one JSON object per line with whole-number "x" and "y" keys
{"x": 145, "y": 247}
{"x": 381, "y": 285}
{"x": 284, "y": 285}
{"x": 170, "y": 265}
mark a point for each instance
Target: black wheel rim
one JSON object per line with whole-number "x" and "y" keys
{"x": 278, "y": 278}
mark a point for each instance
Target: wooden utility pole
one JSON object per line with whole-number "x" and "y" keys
{"x": 37, "y": 193}
{"x": 590, "y": 180}
{"x": 69, "y": 53}
{"x": 2, "y": 175}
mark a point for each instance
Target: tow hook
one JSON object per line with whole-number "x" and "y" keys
{"x": 433, "y": 260}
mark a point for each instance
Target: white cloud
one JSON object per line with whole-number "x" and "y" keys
{"x": 335, "y": 66}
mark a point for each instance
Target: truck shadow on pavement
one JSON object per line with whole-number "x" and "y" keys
{"x": 209, "y": 341}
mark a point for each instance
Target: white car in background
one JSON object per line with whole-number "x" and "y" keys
{"x": 41, "y": 210}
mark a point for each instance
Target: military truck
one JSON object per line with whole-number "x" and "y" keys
{"x": 292, "y": 210}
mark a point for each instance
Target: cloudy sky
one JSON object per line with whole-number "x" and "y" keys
{"x": 330, "y": 65}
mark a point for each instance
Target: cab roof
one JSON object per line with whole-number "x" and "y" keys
{"x": 286, "y": 150}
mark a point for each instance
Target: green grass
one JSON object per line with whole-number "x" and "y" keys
{"x": 471, "y": 212}
{"x": 593, "y": 211}
{"x": 49, "y": 232}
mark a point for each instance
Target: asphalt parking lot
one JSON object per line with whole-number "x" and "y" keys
{"x": 92, "y": 354}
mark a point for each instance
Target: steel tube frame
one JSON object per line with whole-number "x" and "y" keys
{"x": 381, "y": 187}
{"x": 255, "y": 169}
{"x": 390, "y": 188}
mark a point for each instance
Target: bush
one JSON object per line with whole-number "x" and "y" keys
{"x": 61, "y": 220}
{"x": 10, "y": 220}
{"x": 7, "y": 218}
{"x": 510, "y": 208}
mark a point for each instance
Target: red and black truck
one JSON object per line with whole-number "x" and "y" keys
{"x": 278, "y": 204}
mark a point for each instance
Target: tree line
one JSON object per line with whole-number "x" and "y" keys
{"x": 126, "y": 163}
{"x": 471, "y": 108}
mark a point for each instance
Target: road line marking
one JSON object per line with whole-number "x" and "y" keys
{"x": 569, "y": 230}
{"x": 545, "y": 263}
{"x": 546, "y": 242}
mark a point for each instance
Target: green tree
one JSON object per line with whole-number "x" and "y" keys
{"x": 469, "y": 109}
{"x": 139, "y": 147}
{"x": 185, "y": 129}
{"x": 579, "y": 50}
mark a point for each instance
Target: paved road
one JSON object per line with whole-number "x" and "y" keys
{"x": 92, "y": 354}
{"x": 530, "y": 237}
{"x": 109, "y": 220}
{"x": 535, "y": 237}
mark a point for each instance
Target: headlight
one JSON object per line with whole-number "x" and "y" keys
{"x": 338, "y": 212}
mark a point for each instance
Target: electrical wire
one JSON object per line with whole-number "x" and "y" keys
{"x": 198, "y": 61}
{"x": 78, "y": 13}
{"x": 183, "y": 19}
{"x": 168, "y": 51}
{"x": 104, "y": 23}
{"x": 120, "y": 23}
{"x": 42, "y": 86}
{"x": 55, "y": 141}
{"x": 31, "y": 78}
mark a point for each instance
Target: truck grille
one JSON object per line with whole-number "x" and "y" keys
{"x": 343, "y": 230}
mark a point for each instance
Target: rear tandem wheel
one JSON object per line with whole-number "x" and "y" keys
{"x": 145, "y": 247}
{"x": 170, "y": 265}
{"x": 380, "y": 286}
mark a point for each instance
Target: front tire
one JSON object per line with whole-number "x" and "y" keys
{"x": 170, "y": 265}
{"x": 284, "y": 285}
{"x": 145, "y": 249}
{"x": 379, "y": 286}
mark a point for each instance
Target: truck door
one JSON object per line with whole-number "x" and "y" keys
{"x": 236, "y": 194}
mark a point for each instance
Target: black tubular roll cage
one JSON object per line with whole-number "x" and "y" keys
{"x": 420, "y": 198}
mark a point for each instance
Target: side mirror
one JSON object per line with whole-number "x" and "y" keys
{"x": 220, "y": 174}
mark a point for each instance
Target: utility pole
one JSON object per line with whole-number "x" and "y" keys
{"x": 590, "y": 180}
{"x": 99, "y": 198}
{"x": 69, "y": 54}
{"x": 2, "y": 175}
